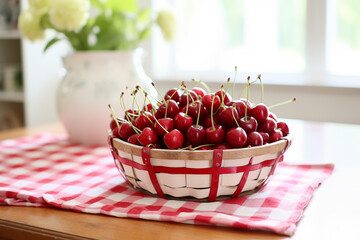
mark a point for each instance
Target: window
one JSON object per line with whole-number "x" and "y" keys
{"x": 302, "y": 40}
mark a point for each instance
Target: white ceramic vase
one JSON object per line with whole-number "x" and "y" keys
{"x": 93, "y": 80}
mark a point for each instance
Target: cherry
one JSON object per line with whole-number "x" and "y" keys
{"x": 194, "y": 109}
{"x": 187, "y": 97}
{"x": 131, "y": 114}
{"x": 113, "y": 123}
{"x": 209, "y": 99}
{"x": 205, "y": 148}
{"x": 182, "y": 121}
{"x": 236, "y": 137}
{"x": 126, "y": 130}
{"x": 224, "y": 96}
{"x": 284, "y": 128}
{"x": 144, "y": 120}
{"x": 273, "y": 116}
{"x": 147, "y": 137}
{"x": 254, "y": 139}
{"x": 167, "y": 109}
{"x": 196, "y": 135}
{"x": 265, "y": 136}
{"x": 207, "y": 121}
{"x": 275, "y": 135}
{"x": 173, "y": 139}
{"x": 249, "y": 125}
{"x": 228, "y": 116}
{"x": 148, "y": 107}
{"x": 133, "y": 139}
{"x": 222, "y": 146}
{"x": 115, "y": 131}
{"x": 240, "y": 107}
{"x": 172, "y": 94}
{"x": 199, "y": 91}
{"x": 260, "y": 112}
{"x": 167, "y": 124}
{"x": 215, "y": 134}
{"x": 268, "y": 125}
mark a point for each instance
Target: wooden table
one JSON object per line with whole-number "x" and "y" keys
{"x": 333, "y": 213}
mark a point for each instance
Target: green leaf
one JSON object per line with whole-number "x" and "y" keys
{"x": 50, "y": 43}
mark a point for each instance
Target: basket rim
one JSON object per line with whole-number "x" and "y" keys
{"x": 228, "y": 154}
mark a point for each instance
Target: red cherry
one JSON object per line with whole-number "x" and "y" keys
{"x": 222, "y": 146}
{"x": 236, "y": 137}
{"x": 113, "y": 123}
{"x": 240, "y": 107}
{"x": 144, "y": 120}
{"x": 148, "y": 107}
{"x": 172, "y": 109}
{"x": 273, "y": 116}
{"x": 193, "y": 110}
{"x": 199, "y": 91}
{"x": 182, "y": 121}
{"x": 133, "y": 139}
{"x": 185, "y": 99}
{"x": 115, "y": 132}
{"x": 284, "y": 128}
{"x": 125, "y": 131}
{"x": 265, "y": 136}
{"x": 147, "y": 137}
{"x": 207, "y": 101}
{"x": 215, "y": 134}
{"x": 174, "y": 139}
{"x": 268, "y": 125}
{"x": 228, "y": 116}
{"x": 207, "y": 121}
{"x": 254, "y": 139}
{"x": 172, "y": 94}
{"x": 205, "y": 148}
{"x": 167, "y": 123}
{"x": 224, "y": 95}
{"x": 275, "y": 135}
{"x": 195, "y": 135}
{"x": 250, "y": 125}
{"x": 260, "y": 112}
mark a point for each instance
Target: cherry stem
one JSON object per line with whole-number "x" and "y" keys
{"x": 232, "y": 112}
{"x": 247, "y": 97}
{"x": 222, "y": 95}
{"x": 227, "y": 85}
{"x": 136, "y": 102}
{"x": 283, "y": 103}
{"x": 114, "y": 116}
{"x": 162, "y": 97}
{"x": 144, "y": 91}
{"x": 212, "y": 111}
{"x": 233, "y": 88}
{"x": 202, "y": 83}
{"x": 262, "y": 88}
{"x": 198, "y": 116}
{"x": 122, "y": 102}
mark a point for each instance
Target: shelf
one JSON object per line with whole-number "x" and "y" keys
{"x": 7, "y": 96}
{"x": 10, "y": 34}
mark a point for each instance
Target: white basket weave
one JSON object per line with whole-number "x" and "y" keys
{"x": 205, "y": 175}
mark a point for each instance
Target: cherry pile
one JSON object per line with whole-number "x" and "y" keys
{"x": 194, "y": 119}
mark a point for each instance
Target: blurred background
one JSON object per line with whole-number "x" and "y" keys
{"x": 302, "y": 48}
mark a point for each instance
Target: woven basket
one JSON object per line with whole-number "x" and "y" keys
{"x": 205, "y": 175}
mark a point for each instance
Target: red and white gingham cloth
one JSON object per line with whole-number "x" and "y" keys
{"x": 49, "y": 171}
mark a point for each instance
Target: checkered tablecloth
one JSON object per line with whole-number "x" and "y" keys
{"x": 49, "y": 171}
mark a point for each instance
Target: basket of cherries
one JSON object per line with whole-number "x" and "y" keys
{"x": 196, "y": 144}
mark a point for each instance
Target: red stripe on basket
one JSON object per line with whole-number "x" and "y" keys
{"x": 145, "y": 154}
{"x": 243, "y": 179}
{"x": 217, "y": 161}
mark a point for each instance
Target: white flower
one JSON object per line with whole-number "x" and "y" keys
{"x": 166, "y": 22}
{"x": 40, "y": 5}
{"x": 29, "y": 24}
{"x": 69, "y": 15}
